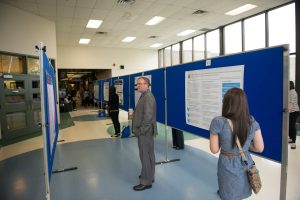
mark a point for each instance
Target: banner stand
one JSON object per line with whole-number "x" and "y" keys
{"x": 43, "y": 124}
{"x": 166, "y": 128}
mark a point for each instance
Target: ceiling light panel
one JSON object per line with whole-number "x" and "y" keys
{"x": 156, "y": 45}
{"x": 155, "y": 20}
{"x": 84, "y": 41}
{"x": 241, "y": 9}
{"x": 186, "y": 32}
{"x": 94, "y": 23}
{"x": 128, "y": 39}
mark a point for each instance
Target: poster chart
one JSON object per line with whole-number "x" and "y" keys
{"x": 51, "y": 111}
{"x": 137, "y": 94}
{"x": 204, "y": 92}
{"x": 96, "y": 91}
{"x": 119, "y": 90}
{"x": 106, "y": 91}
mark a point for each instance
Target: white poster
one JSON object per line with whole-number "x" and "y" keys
{"x": 204, "y": 91}
{"x": 96, "y": 92}
{"x": 137, "y": 94}
{"x": 119, "y": 90}
{"x": 51, "y": 112}
{"x": 106, "y": 91}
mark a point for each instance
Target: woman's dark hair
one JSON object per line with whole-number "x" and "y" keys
{"x": 292, "y": 85}
{"x": 112, "y": 89}
{"x": 235, "y": 108}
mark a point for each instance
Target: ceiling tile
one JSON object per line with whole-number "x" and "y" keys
{"x": 82, "y": 13}
{"x": 63, "y": 11}
{"x": 86, "y": 3}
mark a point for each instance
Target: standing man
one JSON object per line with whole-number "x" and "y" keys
{"x": 144, "y": 128}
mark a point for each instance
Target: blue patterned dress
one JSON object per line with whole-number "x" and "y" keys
{"x": 232, "y": 177}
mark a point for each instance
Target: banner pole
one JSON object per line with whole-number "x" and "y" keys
{"x": 43, "y": 124}
{"x": 166, "y": 126}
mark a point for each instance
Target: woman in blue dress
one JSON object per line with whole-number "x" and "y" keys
{"x": 232, "y": 172}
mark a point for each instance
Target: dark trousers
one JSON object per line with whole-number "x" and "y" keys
{"x": 114, "y": 115}
{"x": 292, "y": 126}
{"x": 178, "y": 139}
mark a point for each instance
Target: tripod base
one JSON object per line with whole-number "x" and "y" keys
{"x": 64, "y": 170}
{"x": 167, "y": 161}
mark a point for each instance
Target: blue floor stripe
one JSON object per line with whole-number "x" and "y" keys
{"x": 107, "y": 170}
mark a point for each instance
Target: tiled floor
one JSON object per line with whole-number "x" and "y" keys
{"x": 88, "y": 129}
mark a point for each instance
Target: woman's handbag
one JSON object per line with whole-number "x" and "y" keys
{"x": 253, "y": 173}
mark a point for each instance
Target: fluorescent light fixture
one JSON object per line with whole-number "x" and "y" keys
{"x": 94, "y": 23}
{"x": 84, "y": 41}
{"x": 155, "y": 20}
{"x": 156, "y": 45}
{"x": 128, "y": 39}
{"x": 186, "y": 32}
{"x": 241, "y": 9}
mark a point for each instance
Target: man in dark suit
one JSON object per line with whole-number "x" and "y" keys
{"x": 145, "y": 128}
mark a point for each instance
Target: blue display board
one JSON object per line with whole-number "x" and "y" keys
{"x": 50, "y": 110}
{"x": 263, "y": 84}
{"x": 157, "y": 88}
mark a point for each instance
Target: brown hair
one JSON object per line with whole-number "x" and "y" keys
{"x": 235, "y": 108}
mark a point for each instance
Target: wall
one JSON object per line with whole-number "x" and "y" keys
{"x": 134, "y": 60}
{"x": 20, "y": 31}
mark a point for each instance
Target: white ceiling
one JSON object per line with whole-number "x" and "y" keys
{"x": 122, "y": 20}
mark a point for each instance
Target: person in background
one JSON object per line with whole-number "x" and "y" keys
{"x": 113, "y": 105}
{"x": 294, "y": 112}
{"x": 232, "y": 172}
{"x": 85, "y": 98}
{"x": 144, "y": 127}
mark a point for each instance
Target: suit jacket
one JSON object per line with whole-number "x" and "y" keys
{"x": 144, "y": 116}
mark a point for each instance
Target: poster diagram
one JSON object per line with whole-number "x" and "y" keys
{"x": 204, "y": 91}
{"x": 119, "y": 90}
{"x": 96, "y": 92}
{"x": 106, "y": 91}
{"x": 51, "y": 111}
{"x": 136, "y": 93}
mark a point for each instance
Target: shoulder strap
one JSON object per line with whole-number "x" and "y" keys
{"x": 238, "y": 144}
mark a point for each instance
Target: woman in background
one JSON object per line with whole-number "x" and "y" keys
{"x": 232, "y": 171}
{"x": 294, "y": 111}
{"x": 113, "y": 105}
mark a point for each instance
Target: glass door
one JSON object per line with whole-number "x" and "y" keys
{"x": 19, "y": 105}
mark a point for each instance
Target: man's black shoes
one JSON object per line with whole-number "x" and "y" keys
{"x": 141, "y": 187}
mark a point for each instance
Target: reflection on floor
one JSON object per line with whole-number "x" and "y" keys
{"x": 108, "y": 167}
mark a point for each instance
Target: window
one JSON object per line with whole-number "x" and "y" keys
{"x": 255, "y": 29}
{"x": 233, "y": 38}
{"x": 199, "y": 48}
{"x": 160, "y": 58}
{"x": 187, "y": 51}
{"x": 292, "y": 68}
{"x": 213, "y": 43}
{"x": 33, "y": 66}
{"x": 175, "y": 54}
{"x": 167, "y": 56}
{"x": 12, "y": 64}
{"x": 282, "y": 26}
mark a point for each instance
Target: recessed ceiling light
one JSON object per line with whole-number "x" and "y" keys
{"x": 156, "y": 45}
{"x": 155, "y": 20}
{"x": 241, "y": 9}
{"x": 94, "y": 23}
{"x": 128, "y": 39}
{"x": 186, "y": 32}
{"x": 84, "y": 41}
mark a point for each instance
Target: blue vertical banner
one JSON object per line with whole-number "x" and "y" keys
{"x": 50, "y": 110}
